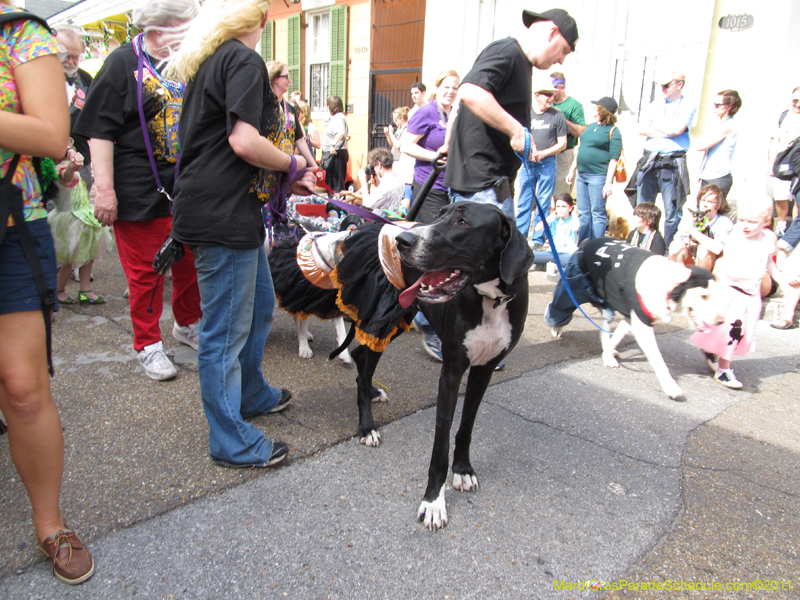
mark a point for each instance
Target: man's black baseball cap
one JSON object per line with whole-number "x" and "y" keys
{"x": 567, "y": 26}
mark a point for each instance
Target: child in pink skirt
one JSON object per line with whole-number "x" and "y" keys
{"x": 747, "y": 257}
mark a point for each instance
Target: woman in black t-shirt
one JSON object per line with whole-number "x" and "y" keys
{"x": 227, "y": 114}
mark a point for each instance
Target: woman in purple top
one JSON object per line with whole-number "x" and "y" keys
{"x": 423, "y": 138}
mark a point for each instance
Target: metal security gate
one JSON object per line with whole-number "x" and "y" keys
{"x": 398, "y": 28}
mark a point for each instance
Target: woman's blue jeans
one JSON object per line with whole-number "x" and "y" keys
{"x": 591, "y": 206}
{"x": 238, "y": 301}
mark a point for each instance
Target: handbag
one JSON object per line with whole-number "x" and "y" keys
{"x": 327, "y": 159}
{"x": 620, "y": 175}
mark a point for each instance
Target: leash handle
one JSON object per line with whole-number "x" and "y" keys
{"x": 527, "y": 165}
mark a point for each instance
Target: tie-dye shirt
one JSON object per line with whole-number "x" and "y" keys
{"x": 22, "y": 41}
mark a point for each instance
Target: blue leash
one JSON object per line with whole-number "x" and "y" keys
{"x": 526, "y": 163}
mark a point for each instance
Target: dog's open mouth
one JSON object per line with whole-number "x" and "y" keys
{"x": 435, "y": 287}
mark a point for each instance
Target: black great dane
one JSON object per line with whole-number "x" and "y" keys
{"x": 468, "y": 273}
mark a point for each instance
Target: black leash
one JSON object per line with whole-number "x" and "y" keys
{"x": 11, "y": 203}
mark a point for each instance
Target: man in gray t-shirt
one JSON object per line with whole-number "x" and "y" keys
{"x": 549, "y": 132}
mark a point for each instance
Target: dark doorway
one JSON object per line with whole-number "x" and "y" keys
{"x": 398, "y": 28}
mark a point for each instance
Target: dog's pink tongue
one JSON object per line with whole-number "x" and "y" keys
{"x": 408, "y": 295}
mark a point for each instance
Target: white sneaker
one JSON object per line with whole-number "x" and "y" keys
{"x": 187, "y": 334}
{"x": 155, "y": 362}
{"x": 728, "y": 379}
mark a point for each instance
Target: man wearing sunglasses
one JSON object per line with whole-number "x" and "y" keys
{"x": 663, "y": 169}
{"x": 788, "y": 131}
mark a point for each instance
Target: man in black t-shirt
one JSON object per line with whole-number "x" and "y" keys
{"x": 495, "y": 106}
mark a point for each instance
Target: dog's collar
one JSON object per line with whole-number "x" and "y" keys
{"x": 646, "y": 311}
{"x": 492, "y": 291}
{"x": 502, "y": 300}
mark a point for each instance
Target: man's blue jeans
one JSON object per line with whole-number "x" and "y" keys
{"x": 661, "y": 180}
{"x": 591, "y": 206}
{"x": 541, "y": 182}
{"x": 487, "y": 196}
{"x": 238, "y": 301}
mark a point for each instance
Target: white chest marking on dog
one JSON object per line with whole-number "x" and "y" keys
{"x": 492, "y": 336}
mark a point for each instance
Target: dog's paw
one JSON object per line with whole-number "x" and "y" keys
{"x": 345, "y": 357}
{"x": 306, "y": 352}
{"x": 378, "y": 395}
{"x": 556, "y": 331}
{"x": 465, "y": 482}
{"x": 674, "y": 391}
{"x": 609, "y": 359}
{"x": 372, "y": 439}
{"x": 433, "y": 514}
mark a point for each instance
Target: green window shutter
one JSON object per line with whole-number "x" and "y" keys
{"x": 294, "y": 52}
{"x": 337, "y": 78}
{"x": 268, "y": 41}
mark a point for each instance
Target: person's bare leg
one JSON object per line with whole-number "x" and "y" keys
{"x": 678, "y": 252}
{"x": 62, "y": 278}
{"x": 782, "y": 211}
{"x": 85, "y": 276}
{"x": 705, "y": 259}
{"x": 34, "y": 427}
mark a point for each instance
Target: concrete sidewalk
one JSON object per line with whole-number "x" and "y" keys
{"x": 586, "y": 473}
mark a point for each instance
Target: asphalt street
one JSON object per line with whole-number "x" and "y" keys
{"x": 589, "y": 477}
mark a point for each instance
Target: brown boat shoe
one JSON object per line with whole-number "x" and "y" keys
{"x": 72, "y": 561}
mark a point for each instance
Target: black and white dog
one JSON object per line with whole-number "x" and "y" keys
{"x": 468, "y": 273}
{"x": 644, "y": 288}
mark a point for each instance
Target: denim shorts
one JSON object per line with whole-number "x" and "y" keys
{"x": 16, "y": 278}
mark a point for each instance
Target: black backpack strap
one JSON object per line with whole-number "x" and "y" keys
{"x": 24, "y": 16}
{"x": 11, "y": 202}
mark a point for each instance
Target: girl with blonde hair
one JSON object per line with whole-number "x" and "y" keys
{"x": 312, "y": 133}
{"x": 226, "y": 174}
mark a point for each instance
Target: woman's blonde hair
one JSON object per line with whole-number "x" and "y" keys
{"x": 304, "y": 110}
{"x": 274, "y": 68}
{"x": 440, "y": 79}
{"x": 401, "y": 112}
{"x": 218, "y": 22}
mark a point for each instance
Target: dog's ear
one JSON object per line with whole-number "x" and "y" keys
{"x": 698, "y": 277}
{"x": 517, "y": 256}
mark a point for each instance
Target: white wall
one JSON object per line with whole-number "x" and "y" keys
{"x": 616, "y": 37}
